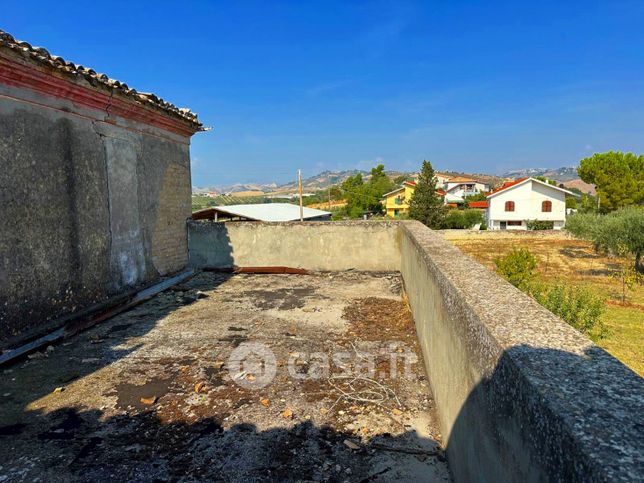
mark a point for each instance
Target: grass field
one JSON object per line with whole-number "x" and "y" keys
{"x": 562, "y": 258}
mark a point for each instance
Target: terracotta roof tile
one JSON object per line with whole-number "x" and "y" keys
{"x": 478, "y": 204}
{"x": 507, "y": 184}
{"x": 42, "y": 56}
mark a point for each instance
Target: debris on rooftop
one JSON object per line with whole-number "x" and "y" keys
{"x": 161, "y": 396}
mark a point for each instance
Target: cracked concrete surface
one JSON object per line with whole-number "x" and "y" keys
{"x": 149, "y": 395}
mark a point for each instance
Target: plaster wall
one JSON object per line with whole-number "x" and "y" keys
{"x": 90, "y": 205}
{"x": 313, "y": 245}
{"x": 527, "y": 199}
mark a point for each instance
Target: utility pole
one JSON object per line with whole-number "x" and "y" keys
{"x": 299, "y": 184}
{"x": 329, "y": 197}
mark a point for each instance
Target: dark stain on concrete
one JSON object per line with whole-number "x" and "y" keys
{"x": 235, "y": 340}
{"x": 130, "y": 395}
{"x": 281, "y": 298}
{"x": 216, "y": 376}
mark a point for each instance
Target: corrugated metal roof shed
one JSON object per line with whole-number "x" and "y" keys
{"x": 262, "y": 212}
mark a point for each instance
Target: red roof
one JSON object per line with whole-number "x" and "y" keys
{"x": 508, "y": 184}
{"x": 410, "y": 183}
{"x": 478, "y": 204}
{"x": 440, "y": 192}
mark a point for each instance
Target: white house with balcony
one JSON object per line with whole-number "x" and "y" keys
{"x": 457, "y": 188}
{"x": 517, "y": 202}
{"x": 441, "y": 180}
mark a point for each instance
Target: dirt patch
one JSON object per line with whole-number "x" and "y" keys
{"x": 629, "y": 305}
{"x": 374, "y": 318}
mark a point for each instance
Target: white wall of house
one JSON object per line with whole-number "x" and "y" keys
{"x": 527, "y": 198}
{"x": 441, "y": 180}
{"x": 465, "y": 189}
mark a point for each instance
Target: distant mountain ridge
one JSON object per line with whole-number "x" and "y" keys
{"x": 559, "y": 174}
{"x": 313, "y": 183}
{"x": 328, "y": 178}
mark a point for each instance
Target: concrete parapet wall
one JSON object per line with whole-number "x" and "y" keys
{"x": 521, "y": 395}
{"x": 362, "y": 245}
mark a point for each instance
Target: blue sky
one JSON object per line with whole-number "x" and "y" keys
{"x": 471, "y": 86}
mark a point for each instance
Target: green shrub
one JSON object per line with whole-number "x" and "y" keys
{"x": 472, "y": 217}
{"x": 517, "y": 267}
{"x": 462, "y": 219}
{"x": 578, "y": 306}
{"x": 540, "y": 225}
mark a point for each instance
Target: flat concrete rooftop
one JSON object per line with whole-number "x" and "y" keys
{"x": 164, "y": 390}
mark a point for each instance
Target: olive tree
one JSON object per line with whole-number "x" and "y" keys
{"x": 620, "y": 233}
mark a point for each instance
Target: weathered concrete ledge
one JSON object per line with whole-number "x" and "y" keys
{"x": 370, "y": 246}
{"x": 521, "y": 395}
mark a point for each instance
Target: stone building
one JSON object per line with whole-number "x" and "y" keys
{"x": 94, "y": 187}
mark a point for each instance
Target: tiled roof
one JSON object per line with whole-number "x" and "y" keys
{"x": 478, "y": 204}
{"x": 462, "y": 180}
{"x": 410, "y": 183}
{"x": 41, "y": 56}
{"x": 397, "y": 190}
{"x": 508, "y": 184}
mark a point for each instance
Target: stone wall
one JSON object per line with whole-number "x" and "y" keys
{"x": 91, "y": 205}
{"x": 312, "y": 245}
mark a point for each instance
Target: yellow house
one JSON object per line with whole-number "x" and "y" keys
{"x": 396, "y": 202}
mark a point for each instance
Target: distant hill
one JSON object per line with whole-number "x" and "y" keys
{"x": 323, "y": 180}
{"x": 319, "y": 181}
{"x": 493, "y": 181}
{"x": 581, "y": 186}
{"x": 560, "y": 174}
{"x": 311, "y": 184}
{"x": 567, "y": 176}
{"x": 236, "y": 188}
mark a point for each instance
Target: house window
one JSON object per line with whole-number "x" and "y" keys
{"x": 398, "y": 200}
{"x": 514, "y": 222}
{"x": 396, "y": 212}
{"x": 509, "y": 206}
{"x": 546, "y": 206}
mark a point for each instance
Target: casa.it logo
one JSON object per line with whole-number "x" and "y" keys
{"x": 252, "y": 365}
